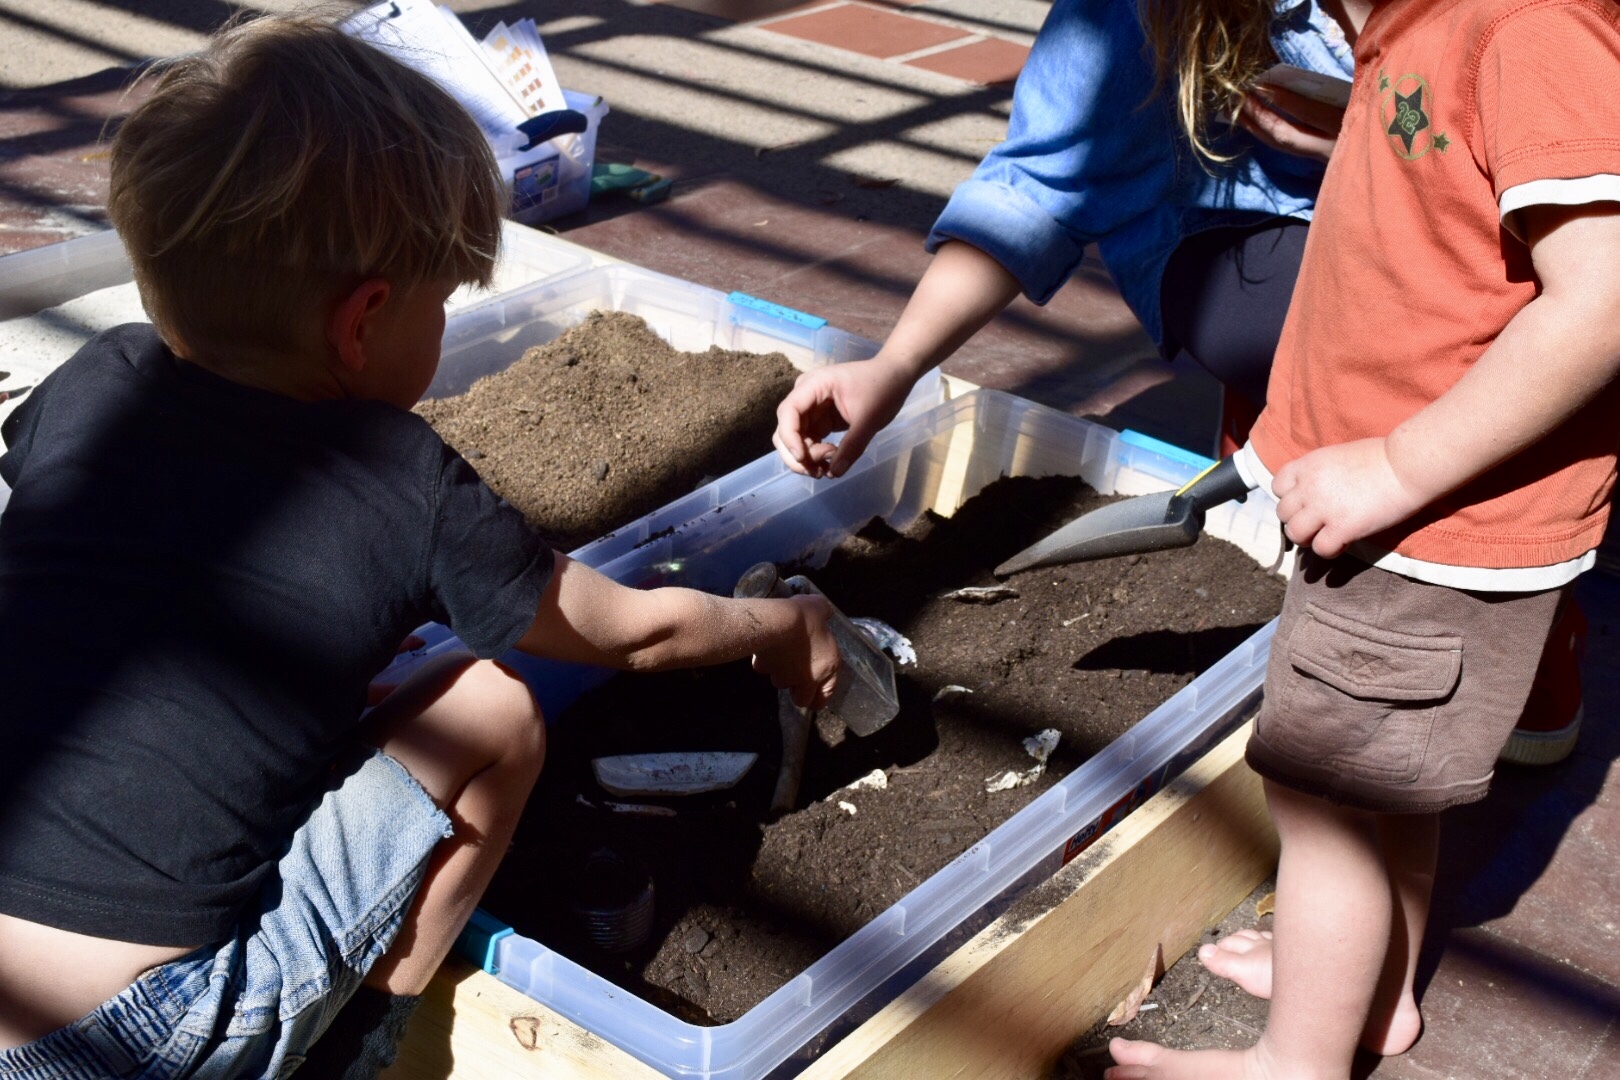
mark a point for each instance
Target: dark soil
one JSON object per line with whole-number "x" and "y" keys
{"x": 744, "y": 903}
{"x": 608, "y": 422}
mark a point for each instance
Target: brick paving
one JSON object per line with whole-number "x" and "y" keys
{"x": 884, "y": 30}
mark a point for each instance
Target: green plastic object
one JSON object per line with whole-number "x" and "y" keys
{"x": 638, "y": 184}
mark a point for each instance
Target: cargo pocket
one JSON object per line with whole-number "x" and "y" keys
{"x": 1363, "y": 698}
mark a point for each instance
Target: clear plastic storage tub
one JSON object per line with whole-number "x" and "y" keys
{"x": 690, "y": 317}
{"x": 553, "y": 178}
{"x": 933, "y": 459}
{"x": 43, "y": 277}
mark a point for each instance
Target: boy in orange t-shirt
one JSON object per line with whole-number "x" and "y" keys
{"x": 1439, "y": 434}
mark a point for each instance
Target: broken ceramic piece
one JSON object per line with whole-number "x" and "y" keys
{"x": 679, "y": 773}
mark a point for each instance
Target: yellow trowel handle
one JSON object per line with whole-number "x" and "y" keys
{"x": 1221, "y": 482}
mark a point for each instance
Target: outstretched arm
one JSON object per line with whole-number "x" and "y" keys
{"x": 962, "y": 289}
{"x": 1551, "y": 359}
{"x": 587, "y": 617}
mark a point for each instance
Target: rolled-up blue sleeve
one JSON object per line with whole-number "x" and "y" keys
{"x": 1090, "y": 149}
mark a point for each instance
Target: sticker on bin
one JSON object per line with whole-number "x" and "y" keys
{"x": 1109, "y": 818}
{"x": 534, "y": 184}
{"x": 786, "y": 314}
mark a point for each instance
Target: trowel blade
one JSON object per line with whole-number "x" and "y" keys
{"x": 1131, "y": 526}
{"x": 685, "y": 773}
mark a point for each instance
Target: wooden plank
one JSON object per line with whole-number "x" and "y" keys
{"x": 471, "y": 1025}
{"x": 1008, "y": 1002}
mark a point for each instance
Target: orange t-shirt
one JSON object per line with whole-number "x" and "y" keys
{"x": 1409, "y": 274}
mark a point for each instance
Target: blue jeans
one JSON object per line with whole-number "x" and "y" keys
{"x": 253, "y": 1005}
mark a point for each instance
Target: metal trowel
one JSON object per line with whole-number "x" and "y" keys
{"x": 1156, "y": 522}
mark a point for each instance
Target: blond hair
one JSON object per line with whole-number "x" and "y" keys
{"x": 1213, "y": 49}
{"x": 283, "y": 165}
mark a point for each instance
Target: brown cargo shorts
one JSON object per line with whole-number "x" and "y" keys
{"x": 1394, "y": 695}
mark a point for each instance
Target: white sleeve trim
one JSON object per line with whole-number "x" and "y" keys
{"x": 1476, "y": 578}
{"x": 1604, "y": 187}
{"x": 1252, "y": 469}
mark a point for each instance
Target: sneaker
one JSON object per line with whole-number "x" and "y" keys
{"x": 1551, "y": 723}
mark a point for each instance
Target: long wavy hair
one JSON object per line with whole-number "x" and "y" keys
{"x": 1213, "y": 50}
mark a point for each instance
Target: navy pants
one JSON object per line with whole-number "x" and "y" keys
{"x": 1224, "y": 295}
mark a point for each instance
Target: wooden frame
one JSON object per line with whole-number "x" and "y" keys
{"x": 1006, "y": 1004}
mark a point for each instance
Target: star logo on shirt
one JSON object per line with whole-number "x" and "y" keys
{"x": 1406, "y": 111}
{"x": 1409, "y": 118}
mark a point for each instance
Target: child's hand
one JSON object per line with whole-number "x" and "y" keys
{"x": 1337, "y": 495}
{"x": 1290, "y": 122}
{"x": 863, "y": 395}
{"x": 806, "y": 662}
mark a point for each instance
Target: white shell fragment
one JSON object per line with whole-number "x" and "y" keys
{"x": 982, "y": 594}
{"x": 1007, "y": 781}
{"x": 684, "y": 773}
{"x": 946, "y": 693}
{"x": 877, "y": 778}
{"x": 1038, "y": 746}
{"x": 846, "y": 807}
{"x": 888, "y": 639}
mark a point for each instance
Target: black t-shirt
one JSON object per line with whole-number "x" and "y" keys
{"x": 197, "y": 582}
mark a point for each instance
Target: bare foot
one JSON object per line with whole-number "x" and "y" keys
{"x": 1150, "y": 1061}
{"x": 1243, "y": 957}
{"x": 1394, "y": 1034}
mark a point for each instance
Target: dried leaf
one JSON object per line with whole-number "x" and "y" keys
{"x": 1126, "y": 1010}
{"x": 1266, "y": 905}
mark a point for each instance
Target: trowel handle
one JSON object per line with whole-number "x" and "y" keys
{"x": 761, "y": 581}
{"x": 796, "y": 725}
{"x": 1220, "y": 483}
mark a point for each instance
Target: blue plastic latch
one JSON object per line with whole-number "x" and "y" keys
{"x": 1169, "y": 450}
{"x": 479, "y": 938}
{"x": 777, "y": 311}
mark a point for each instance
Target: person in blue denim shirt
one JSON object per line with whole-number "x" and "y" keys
{"x": 1104, "y": 147}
